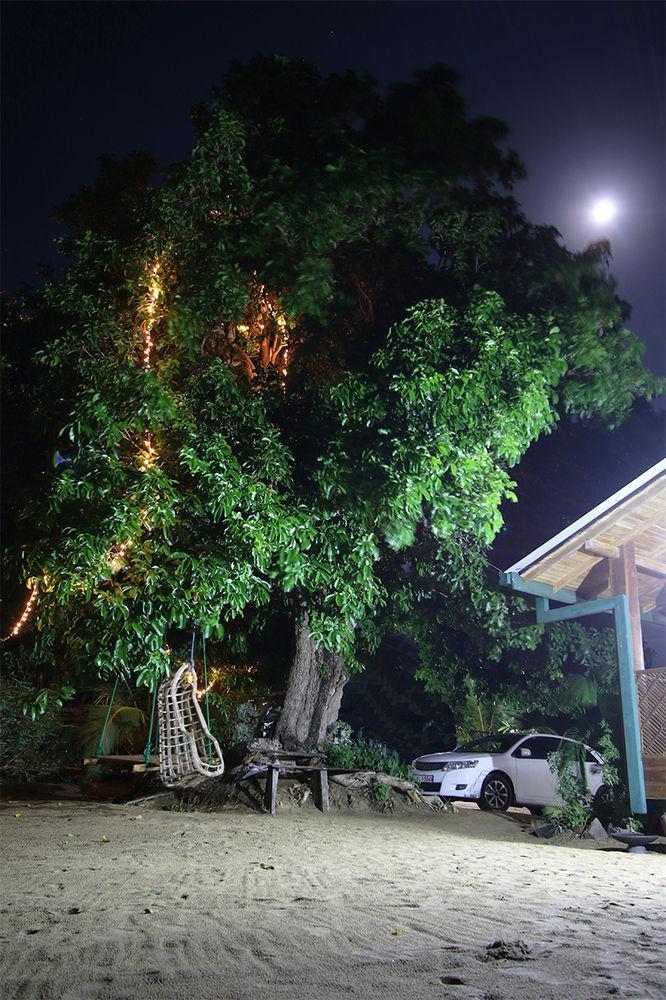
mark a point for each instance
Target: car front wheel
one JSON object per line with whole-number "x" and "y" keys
{"x": 496, "y": 793}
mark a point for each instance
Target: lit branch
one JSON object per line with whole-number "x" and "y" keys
{"x": 21, "y": 622}
{"x": 147, "y": 453}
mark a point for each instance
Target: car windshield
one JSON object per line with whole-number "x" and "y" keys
{"x": 499, "y": 743}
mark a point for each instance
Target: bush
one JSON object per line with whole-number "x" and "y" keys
{"x": 379, "y": 792}
{"x": 232, "y": 723}
{"x": 367, "y": 755}
{"x": 35, "y": 742}
{"x": 574, "y": 813}
{"x": 578, "y": 806}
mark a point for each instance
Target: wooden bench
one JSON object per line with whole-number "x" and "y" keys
{"x": 125, "y": 762}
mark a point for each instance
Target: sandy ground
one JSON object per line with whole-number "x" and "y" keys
{"x": 178, "y": 905}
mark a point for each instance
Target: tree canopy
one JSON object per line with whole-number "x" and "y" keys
{"x": 300, "y": 363}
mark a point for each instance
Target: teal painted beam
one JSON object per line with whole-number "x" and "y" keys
{"x": 619, "y": 605}
{"x": 581, "y": 609}
{"x": 536, "y": 589}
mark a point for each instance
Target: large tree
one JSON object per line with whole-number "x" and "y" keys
{"x": 321, "y": 339}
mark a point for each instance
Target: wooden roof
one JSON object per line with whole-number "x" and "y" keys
{"x": 578, "y": 557}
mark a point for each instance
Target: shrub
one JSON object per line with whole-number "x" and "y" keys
{"x": 578, "y": 806}
{"x": 34, "y": 740}
{"x": 233, "y": 722}
{"x": 379, "y": 791}
{"x": 574, "y": 812}
{"x": 339, "y": 733}
{"x": 367, "y": 755}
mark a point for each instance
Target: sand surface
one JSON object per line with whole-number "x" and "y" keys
{"x": 177, "y": 905}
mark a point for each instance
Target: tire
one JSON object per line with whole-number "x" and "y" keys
{"x": 496, "y": 793}
{"x": 603, "y": 804}
{"x": 602, "y": 794}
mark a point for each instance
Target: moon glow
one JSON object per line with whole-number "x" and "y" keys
{"x": 603, "y": 210}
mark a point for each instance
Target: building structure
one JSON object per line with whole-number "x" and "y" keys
{"x": 613, "y": 560}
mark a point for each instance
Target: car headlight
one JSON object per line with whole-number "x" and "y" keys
{"x": 458, "y": 765}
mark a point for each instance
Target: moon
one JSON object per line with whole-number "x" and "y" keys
{"x": 603, "y": 210}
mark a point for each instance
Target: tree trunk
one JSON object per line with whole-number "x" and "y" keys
{"x": 314, "y": 692}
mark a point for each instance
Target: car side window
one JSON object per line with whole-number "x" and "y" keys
{"x": 539, "y": 747}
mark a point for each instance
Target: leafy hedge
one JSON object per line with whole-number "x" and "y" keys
{"x": 368, "y": 755}
{"x": 33, "y": 745}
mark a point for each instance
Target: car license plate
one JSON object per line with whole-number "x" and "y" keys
{"x": 427, "y": 779}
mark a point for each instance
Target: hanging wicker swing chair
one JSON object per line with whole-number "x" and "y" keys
{"x": 189, "y": 753}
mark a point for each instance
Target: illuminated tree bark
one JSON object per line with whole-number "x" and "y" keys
{"x": 316, "y": 681}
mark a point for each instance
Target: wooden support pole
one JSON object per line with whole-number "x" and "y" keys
{"x": 321, "y": 789}
{"x": 624, "y": 581}
{"x": 270, "y": 794}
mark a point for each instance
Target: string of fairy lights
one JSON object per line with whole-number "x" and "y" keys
{"x": 147, "y": 452}
{"x": 150, "y": 314}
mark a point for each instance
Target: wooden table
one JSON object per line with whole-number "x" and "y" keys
{"x": 287, "y": 764}
{"x": 320, "y": 775}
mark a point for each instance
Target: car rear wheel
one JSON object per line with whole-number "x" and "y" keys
{"x": 603, "y": 803}
{"x": 496, "y": 793}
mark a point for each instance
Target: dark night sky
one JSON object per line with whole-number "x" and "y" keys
{"x": 581, "y": 85}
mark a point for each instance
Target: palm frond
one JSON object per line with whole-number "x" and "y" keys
{"x": 125, "y": 731}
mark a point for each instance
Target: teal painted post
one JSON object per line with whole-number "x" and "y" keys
{"x": 630, "y": 718}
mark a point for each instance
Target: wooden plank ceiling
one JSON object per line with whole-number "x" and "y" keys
{"x": 581, "y": 561}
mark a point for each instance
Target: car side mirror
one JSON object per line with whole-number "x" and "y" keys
{"x": 524, "y": 752}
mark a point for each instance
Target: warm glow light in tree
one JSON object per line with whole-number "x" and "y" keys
{"x": 147, "y": 454}
{"x": 22, "y": 620}
{"x": 260, "y": 342}
{"x": 154, "y": 293}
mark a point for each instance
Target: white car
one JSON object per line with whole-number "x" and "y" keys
{"x": 509, "y": 769}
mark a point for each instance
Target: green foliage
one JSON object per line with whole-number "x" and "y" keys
{"x": 367, "y": 755}
{"x": 574, "y": 812}
{"x": 479, "y": 647}
{"x": 431, "y": 333}
{"x": 612, "y": 807}
{"x": 478, "y": 716}
{"x": 37, "y": 704}
{"x": 126, "y": 729}
{"x": 32, "y": 746}
{"x": 605, "y": 744}
{"x": 571, "y": 817}
{"x": 577, "y": 807}
{"x": 232, "y": 722}
{"x": 485, "y": 239}
{"x": 380, "y": 792}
